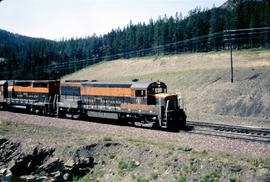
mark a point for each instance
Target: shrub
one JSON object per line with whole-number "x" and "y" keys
{"x": 212, "y": 177}
{"x": 154, "y": 175}
{"x": 185, "y": 148}
{"x": 112, "y": 156}
{"x": 181, "y": 179}
{"x": 194, "y": 166}
{"x": 235, "y": 168}
{"x": 107, "y": 139}
{"x": 125, "y": 166}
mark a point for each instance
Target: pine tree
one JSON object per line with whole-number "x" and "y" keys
{"x": 213, "y": 28}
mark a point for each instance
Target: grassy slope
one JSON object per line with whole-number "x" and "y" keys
{"x": 202, "y": 78}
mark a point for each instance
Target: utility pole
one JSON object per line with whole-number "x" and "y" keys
{"x": 231, "y": 49}
{"x": 231, "y": 64}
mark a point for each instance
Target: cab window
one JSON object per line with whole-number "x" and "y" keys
{"x": 157, "y": 90}
{"x": 24, "y": 84}
{"x": 43, "y": 85}
{"x": 139, "y": 93}
{"x": 173, "y": 104}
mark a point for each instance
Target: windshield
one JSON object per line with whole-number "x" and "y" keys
{"x": 172, "y": 102}
{"x": 157, "y": 90}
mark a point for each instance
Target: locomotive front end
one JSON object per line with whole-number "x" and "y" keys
{"x": 171, "y": 114}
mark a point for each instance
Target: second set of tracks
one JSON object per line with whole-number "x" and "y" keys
{"x": 254, "y": 134}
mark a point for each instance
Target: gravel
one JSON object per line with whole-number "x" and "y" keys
{"x": 238, "y": 148}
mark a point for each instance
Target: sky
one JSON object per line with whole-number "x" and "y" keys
{"x": 56, "y": 19}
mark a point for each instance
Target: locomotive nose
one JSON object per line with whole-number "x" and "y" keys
{"x": 163, "y": 98}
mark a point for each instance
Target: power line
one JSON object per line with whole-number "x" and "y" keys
{"x": 214, "y": 41}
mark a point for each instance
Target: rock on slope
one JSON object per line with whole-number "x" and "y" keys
{"x": 41, "y": 165}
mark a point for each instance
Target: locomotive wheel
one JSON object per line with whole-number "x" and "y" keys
{"x": 28, "y": 110}
{"x": 36, "y": 111}
{"x": 40, "y": 112}
{"x": 61, "y": 113}
{"x": 2, "y": 107}
{"x": 75, "y": 116}
{"x": 144, "y": 121}
{"x": 68, "y": 115}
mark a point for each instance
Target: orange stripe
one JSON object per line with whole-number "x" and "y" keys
{"x": 96, "y": 91}
{"x": 71, "y": 84}
{"x": 139, "y": 107}
{"x": 31, "y": 89}
{"x": 10, "y": 88}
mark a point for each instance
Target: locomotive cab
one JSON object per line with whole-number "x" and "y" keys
{"x": 154, "y": 96}
{"x": 171, "y": 115}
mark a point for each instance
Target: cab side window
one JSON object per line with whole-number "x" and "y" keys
{"x": 24, "y": 84}
{"x": 41, "y": 85}
{"x": 139, "y": 93}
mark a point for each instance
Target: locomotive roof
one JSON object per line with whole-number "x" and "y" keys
{"x": 34, "y": 81}
{"x": 145, "y": 85}
{"x": 133, "y": 85}
{"x": 108, "y": 84}
{"x": 72, "y": 81}
{"x": 140, "y": 85}
{"x": 3, "y": 82}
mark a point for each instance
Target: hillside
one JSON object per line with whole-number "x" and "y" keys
{"x": 9, "y": 39}
{"x": 202, "y": 78}
{"x": 30, "y": 58}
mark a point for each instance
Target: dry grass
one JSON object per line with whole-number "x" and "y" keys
{"x": 202, "y": 78}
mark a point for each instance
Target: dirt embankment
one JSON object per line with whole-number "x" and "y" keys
{"x": 40, "y": 164}
{"x": 59, "y": 149}
{"x": 202, "y": 78}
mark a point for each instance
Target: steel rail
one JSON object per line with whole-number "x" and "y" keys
{"x": 255, "y": 134}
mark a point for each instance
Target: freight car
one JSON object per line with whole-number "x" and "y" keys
{"x": 144, "y": 104}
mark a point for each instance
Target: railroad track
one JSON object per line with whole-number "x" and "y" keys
{"x": 230, "y": 131}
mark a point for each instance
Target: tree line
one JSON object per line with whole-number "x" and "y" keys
{"x": 28, "y": 58}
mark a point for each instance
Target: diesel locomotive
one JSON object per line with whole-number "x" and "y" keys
{"x": 139, "y": 103}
